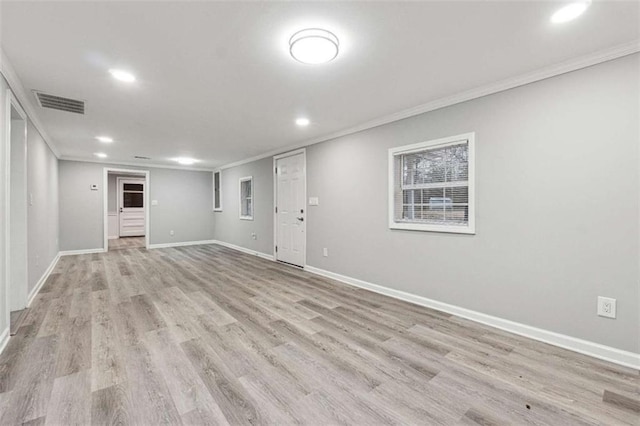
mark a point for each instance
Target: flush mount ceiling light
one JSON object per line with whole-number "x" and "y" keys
{"x": 570, "y": 12}
{"x": 104, "y": 139}
{"x": 100, "y": 155}
{"x": 185, "y": 161}
{"x": 122, "y": 75}
{"x": 302, "y": 122}
{"x": 313, "y": 46}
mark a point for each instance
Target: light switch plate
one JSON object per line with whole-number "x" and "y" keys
{"x": 154, "y": 202}
{"x": 94, "y": 187}
{"x": 313, "y": 201}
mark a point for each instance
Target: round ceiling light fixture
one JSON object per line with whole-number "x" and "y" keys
{"x": 122, "y": 75}
{"x": 185, "y": 161}
{"x": 570, "y": 12}
{"x": 314, "y": 46}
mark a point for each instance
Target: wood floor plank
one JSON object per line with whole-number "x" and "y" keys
{"x": 70, "y": 402}
{"x": 208, "y": 335}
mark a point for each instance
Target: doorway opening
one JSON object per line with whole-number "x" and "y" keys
{"x": 16, "y": 213}
{"x": 126, "y": 208}
{"x": 290, "y": 193}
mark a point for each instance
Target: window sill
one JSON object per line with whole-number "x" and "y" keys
{"x": 470, "y": 230}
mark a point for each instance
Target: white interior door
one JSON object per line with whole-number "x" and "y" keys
{"x": 291, "y": 209}
{"x": 131, "y": 209}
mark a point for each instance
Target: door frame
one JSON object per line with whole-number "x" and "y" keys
{"x": 119, "y": 179}
{"x": 105, "y": 203}
{"x": 302, "y": 151}
{"x": 12, "y": 102}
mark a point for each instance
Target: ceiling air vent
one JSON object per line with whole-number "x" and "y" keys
{"x": 46, "y": 100}
{"x": 139, "y": 157}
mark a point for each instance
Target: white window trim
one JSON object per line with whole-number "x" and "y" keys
{"x": 407, "y": 149}
{"x": 219, "y": 208}
{"x": 253, "y": 205}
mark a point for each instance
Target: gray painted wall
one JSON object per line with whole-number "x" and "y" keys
{"x": 557, "y": 206}
{"x": 229, "y": 227}
{"x": 4, "y": 323}
{"x": 184, "y": 205}
{"x": 42, "y": 216}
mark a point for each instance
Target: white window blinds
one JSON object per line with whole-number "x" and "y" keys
{"x": 246, "y": 198}
{"x": 217, "y": 193}
{"x": 432, "y": 186}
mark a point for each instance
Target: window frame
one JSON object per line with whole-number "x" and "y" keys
{"x": 424, "y": 146}
{"x": 219, "y": 207}
{"x": 240, "y": 182}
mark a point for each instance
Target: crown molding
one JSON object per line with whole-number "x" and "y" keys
{"x": 7, "y": 70}
{"x": 564, "y": 67}
{"x": 134, "y": 164}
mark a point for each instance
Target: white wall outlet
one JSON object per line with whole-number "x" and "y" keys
{"x": 254, "y": 236}
{"x": 325, "y": 252}
{"x": 313, "y": 201}
{"x": 94, "y": 187}
{"x": 31, "y": 198}
{"x": 171, "y": 232}
{"x": 606, "y": 307}
{"x": 154, "y": 202}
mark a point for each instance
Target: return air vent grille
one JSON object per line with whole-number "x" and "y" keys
{"x": 140, "y": 157}
{"x": 46, "y": 100}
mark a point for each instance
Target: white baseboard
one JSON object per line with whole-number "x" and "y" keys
{"x": 42, "y": 280}
{"x": 86, "y": 251}
{"x": 4, "y": 339}
{"x": 596, "y": 350}
{"x": 113, "y": 237}
{"x": 181, "y": 244}
{"x": 245, "y": 250}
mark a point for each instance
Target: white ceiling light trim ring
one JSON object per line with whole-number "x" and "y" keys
{"x": 314, "y": 46}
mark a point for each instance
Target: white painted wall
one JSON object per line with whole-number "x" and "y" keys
{"x": 558, "y": 193}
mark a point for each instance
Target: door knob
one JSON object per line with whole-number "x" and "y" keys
{"x": 301, "y": 219}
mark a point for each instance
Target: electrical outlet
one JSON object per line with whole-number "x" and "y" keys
{"x": 254, "y": 236}
{"x": 171, "y": 232}
{"x": 325, "y": 252}
{"x": 606, "y": 307}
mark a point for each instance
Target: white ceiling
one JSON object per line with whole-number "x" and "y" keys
{"x": 216, "y": 82}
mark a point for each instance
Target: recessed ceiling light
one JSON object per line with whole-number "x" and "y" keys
{"x": 302, "y": 121}
{"x": 100, "y": 155}
{"x": 313, "y": 46}
{"x": 570, "y": 12}
{"x": 185, "y": 161}
{"x": 122, "y": 75}
{"x": 104, "y": 139}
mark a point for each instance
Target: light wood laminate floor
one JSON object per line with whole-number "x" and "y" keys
{"x": 207, "y": 335}
{"x": 126, "y": 243}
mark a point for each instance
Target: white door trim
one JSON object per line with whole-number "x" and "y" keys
{"x": 105, "y": 202}
{"x": 11, "y": 102}
{"x": 302, "y": 151}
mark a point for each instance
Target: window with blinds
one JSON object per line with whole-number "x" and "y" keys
{"x": 246, "y": 198}
{"x": 217, "y": 192}
{"x": 431, "y": 185}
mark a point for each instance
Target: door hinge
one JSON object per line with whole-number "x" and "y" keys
{"x": 275, "y": 170}
{"x": 276, "y": 209}
{"x": 276, "y": 249}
